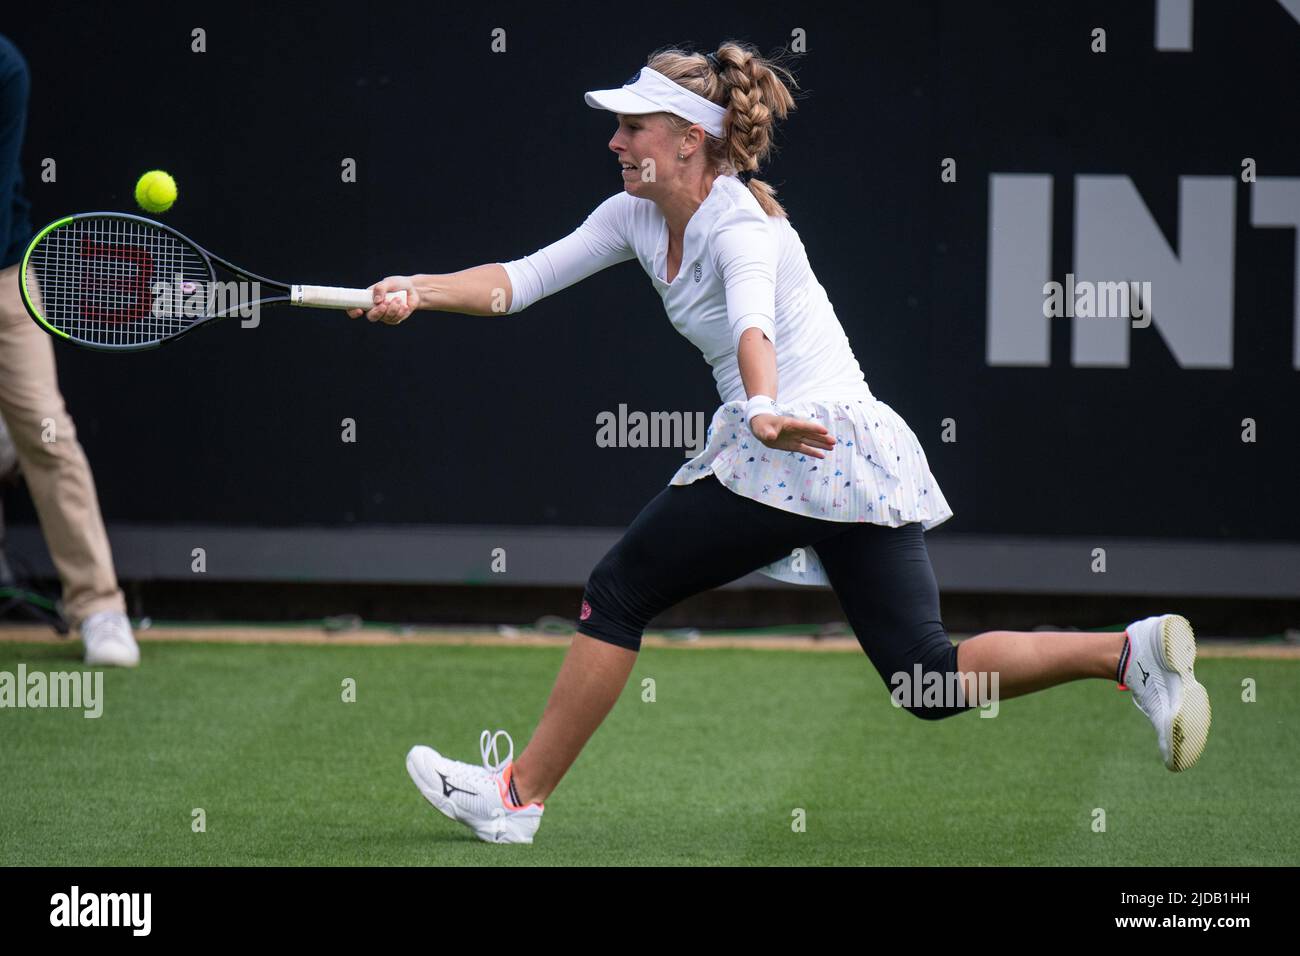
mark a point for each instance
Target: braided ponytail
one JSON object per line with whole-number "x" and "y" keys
{"x": 752, "y": 89}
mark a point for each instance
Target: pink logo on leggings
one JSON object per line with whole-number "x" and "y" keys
{"x": 586, "y": 611}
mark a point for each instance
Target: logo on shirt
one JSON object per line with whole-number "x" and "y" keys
{"x": 699, "y": 272}
{"x": 586, "y": 611}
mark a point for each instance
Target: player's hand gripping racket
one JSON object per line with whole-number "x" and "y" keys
{"x": 113, "y": 281}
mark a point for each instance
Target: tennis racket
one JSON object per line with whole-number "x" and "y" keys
{"x": 121, "y": 283}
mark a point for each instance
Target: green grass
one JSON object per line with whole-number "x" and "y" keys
{"x": 709, "y": 773}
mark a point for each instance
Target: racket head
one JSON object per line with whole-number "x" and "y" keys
{"x": 104, "y": 280}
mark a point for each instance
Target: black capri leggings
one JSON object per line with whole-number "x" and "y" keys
{"x": 691, "y": 538}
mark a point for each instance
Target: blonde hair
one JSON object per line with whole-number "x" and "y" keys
{"x": 750, "y": 87}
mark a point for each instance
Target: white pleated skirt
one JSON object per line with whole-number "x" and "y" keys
{"x": 877, "y": 471}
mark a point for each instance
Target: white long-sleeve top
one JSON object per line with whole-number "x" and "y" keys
{"x": 742, "y": 269}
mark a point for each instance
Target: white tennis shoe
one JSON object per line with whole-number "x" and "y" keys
{"x": 476, "y": 796}
{"x": 109, "y": 641}
{"x": 1159, "y": 673}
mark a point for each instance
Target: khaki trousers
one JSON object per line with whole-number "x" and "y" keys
{"x": 56, "y": 469}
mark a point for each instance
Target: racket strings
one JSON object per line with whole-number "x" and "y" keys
{"x": 117, "y": 282}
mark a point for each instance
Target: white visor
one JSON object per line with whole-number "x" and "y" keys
{"x": 649, "y": 91}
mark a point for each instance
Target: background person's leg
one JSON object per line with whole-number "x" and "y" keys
{"x": 688, "y": 539}
{"x": 57, "y": 472}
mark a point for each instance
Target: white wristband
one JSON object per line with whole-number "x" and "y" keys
{"x": 760, "y": 405}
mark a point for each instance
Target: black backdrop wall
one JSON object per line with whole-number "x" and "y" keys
{"x": 467, "y": 156}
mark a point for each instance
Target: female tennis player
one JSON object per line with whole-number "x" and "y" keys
{"x": 806, "y": 475}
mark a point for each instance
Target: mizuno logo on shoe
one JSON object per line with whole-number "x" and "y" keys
{"x": 1145, "y": 675}
{"x": 448, "y": 788}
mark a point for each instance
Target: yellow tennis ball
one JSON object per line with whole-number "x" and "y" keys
{"x": 155, "y": 191}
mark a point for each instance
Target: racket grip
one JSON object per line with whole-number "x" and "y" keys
{"x": 334, "y": 297}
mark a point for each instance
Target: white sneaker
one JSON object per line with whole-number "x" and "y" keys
{"x": 1159, "y": 673}
{"x": 109, "y": 641}
{"x": 475, "y": 796}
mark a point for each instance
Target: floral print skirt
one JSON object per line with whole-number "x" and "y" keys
{"x": 876, "y": 472}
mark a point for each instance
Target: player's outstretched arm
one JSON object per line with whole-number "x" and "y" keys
{"x": 481, "y": 290}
